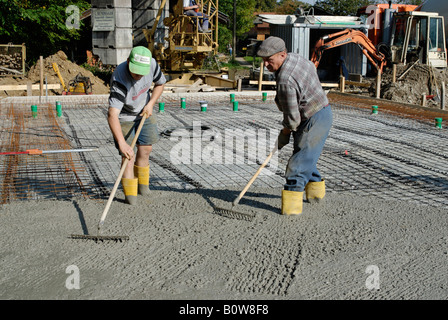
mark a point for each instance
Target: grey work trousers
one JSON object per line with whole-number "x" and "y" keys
{"x": 309, "y": 140}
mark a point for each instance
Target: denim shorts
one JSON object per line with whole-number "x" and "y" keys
{"x": 148, "y": 136}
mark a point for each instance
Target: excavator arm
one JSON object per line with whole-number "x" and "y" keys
{"x": 349, "y": 36}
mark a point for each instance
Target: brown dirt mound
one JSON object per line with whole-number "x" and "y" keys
{"x": 68, "y": 70}
{"x": 419, "y": 80}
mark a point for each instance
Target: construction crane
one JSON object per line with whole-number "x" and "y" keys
{"x": 349, "y": 36}
{"x": 187, "y": 46}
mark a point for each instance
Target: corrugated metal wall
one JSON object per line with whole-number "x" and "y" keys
{"x": 355, "y": 60}
{"x": 297, "y": 40}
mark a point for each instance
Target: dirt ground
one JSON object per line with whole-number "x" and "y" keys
{"x": 412, "y": 82}
{"x": 68, "y": 70}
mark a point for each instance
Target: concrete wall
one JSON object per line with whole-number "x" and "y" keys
{"x": 131, "y": 17}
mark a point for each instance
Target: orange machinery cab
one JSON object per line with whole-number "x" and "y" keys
{"x": 375, "y": 17}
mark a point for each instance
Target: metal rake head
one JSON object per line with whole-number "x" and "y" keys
{"x": 99, "y": 238}
{"x": 234, "y": 214}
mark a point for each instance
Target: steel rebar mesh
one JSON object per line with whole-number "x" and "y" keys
{"x": 44, "y": 176}
{"x": 392, "y": 155}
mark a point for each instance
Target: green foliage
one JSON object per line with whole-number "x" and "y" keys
{"x": 265, "y": 5}
{"x": 245, "y": 17}
{"x": 244, "y": 20}
{"x": 233, "y": 64}
{"x": 211, "y": 62}
{"x": 225, "y": 36}
{"x": 40, "y": 24}
{"x": 290, "y": 6}
{"x": 349, "y": 7}
{"x": 104, "y": 73}
{"x": 253, "y": 60}
{"x": 413, "y": 2}
{"x": 344, "y": 7}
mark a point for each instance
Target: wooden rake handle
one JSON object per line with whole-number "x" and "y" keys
{"x": 120, "y": 175}
{"x": 237, "y": 200}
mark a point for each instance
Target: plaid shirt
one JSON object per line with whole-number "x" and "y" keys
{"x": 299, "y": 92}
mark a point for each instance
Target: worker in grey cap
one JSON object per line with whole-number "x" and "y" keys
{"x": 307, "y": 117}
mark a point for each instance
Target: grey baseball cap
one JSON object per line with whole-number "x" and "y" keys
{"x": 271, "y": 46}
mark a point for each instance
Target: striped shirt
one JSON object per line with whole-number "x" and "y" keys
{"x": 130, "y": 96}
{"x": 299, "y": 92}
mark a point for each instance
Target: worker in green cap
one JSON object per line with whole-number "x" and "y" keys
{"x": 131, "y": 99}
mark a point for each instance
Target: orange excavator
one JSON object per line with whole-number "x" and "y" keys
{"x": 344, "y": 37}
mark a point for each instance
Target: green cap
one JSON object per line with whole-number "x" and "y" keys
{"x": 140, "y": 60}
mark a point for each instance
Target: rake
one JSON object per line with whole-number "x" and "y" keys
{"x": 241, "y": 215}
{"x": 99, "y": 237}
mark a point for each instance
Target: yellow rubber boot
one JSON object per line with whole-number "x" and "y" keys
{"x": 130, "y": 188}
{"x": 292, "y": 202}
{"x": 315, "y": 191}
{"x": 142, "y": 173}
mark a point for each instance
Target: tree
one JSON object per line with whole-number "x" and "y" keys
{"x": 244, "y": 20}
{"x": 290, "y": 6}
{"x": 344, "y": 7}
{"x": 40, "y": 24}
{"x": 265, "y": 5}
{"x": 413, "y": 2}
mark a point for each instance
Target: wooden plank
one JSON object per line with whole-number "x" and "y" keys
{"x": 442, "y": 98}
{"x": 358, "y": 84}
{"x": 342, "y": 83}
{"x": 10, "y": 70}
{"x": 378, "y": 85}
{"x": 41, "y": 71}
{"x": 271, "y": 83}
{"x": 394, "y": 73}
{"x": 260, "y": 78}
{"x": 216, "y": 81}
{"x": 330, "y": 85}
{"x": 195, "y": 86}
{"x": 207, "y": 88}
{"x": 25, "y": 87}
